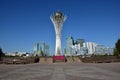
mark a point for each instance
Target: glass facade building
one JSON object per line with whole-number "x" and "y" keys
{"x": 36, "y": 46}
{"x": 80, "y": 41}
{"x": 80, "y": 47}
{"x": 90, "y": 46}
{"x": 102, "y": 50}
{"x": 41, "y": 49}
{"x": 47, "y": 50}
{"x": 36, "y": 49}
{"x": 85, "y": 48}
{"x": 78, "y": 50}
{"x": 44, "y": 48}
{"x": 69, "y": 44}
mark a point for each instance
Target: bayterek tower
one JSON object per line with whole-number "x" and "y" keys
{"x": 58, "y": 18}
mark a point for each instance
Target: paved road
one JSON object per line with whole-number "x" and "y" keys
{"x": 61, "y": 71}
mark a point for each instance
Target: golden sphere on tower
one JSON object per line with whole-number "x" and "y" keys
{"x": 58, "y": 15}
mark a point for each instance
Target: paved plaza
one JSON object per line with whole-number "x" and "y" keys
{"x": 60, "y": 71}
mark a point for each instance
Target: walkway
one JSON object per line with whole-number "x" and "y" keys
{"x": 60, "y": 71}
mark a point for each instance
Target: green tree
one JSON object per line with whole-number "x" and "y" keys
{"x": 1, "y": 53}
{"x": 117, "y": 48}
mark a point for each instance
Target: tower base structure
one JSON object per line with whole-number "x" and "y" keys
{"x": 60, "y": 58}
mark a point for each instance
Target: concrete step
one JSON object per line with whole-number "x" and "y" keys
{"x": 48, "y": 60}
{"x": 69, "y": 60}
{"x": 76, "y": 59}
{"x": 42, "y": 60}
{"x": 45, "y": 60}
{"x": 73, "y": 60}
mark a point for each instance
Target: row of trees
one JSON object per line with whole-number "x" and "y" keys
{"x": 117, "y": 48}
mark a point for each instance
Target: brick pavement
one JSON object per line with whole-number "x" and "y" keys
{"x": 61, "y": 71}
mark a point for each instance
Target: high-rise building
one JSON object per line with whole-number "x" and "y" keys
{"x": 47, "y": 50}
{"x": 85, "y": 48}
{"x": 44, "y": 48}
{"x": 36, "y": 49}
{"x": 77, "y": 49}
{"x": 41, "y": 49}
{"x": 69, "y": 45}
{"x": 90, "y": 46}
{"x": 80, "y": 41}
{"x": 36, "y": 46}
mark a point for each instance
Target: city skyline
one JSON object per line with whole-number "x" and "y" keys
{"x": 22, "y": 23}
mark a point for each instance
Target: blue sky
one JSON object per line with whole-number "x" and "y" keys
{"x": 25, "y": 22}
